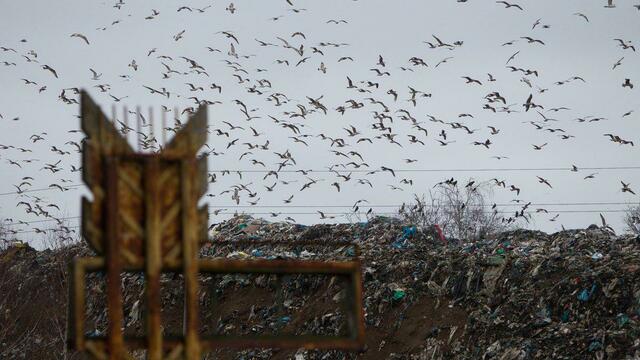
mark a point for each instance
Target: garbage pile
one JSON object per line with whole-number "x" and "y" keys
{"x": 522, "y": 294}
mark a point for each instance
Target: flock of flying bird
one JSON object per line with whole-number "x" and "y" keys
{"x": 391, "y": 109}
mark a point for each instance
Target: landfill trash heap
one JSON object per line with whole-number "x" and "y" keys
{"x": 522, "y": 294}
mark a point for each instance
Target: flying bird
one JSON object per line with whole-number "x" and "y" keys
{"x": 229, "y": 35}
{"x": 625, "y": 45}
{"x": 50, "y": 69}
{"x": 531, "y": 40}
{"x": 513, "y": 56}
{"x": 617, "y": 63}
{"x": 544, "y": 181}
{"x": 508, "y": 5}
{"x": 626, "y": 188}
{"x": 78, "y": 35}
{"x": 471, "y": 81}
{"x": 95, "y": 76}
{"x": 582, "y": 16}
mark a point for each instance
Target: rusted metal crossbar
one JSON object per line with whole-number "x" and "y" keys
{"x": 144, "y": 217}
{"x": 350, "y": 270}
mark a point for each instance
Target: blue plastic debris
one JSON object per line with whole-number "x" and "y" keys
{"x": 595, "y": 345}
{"x": 398, "y": 294}
{"x": 622, "y": 319}
{"x": 399, "y": 244}
{"x": 585, "y": 294}
{"x": 257, "y": 253}
{"x": 407, "y": 232}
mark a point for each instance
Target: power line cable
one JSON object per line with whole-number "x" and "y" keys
{"x": 353, "y": 213}
{"x": 369, "y": 171}
{"x": 426, "y": 170}
{"x": 69, "y": 187}
{"x": 362, "y": 206}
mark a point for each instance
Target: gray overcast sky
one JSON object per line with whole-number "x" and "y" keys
{"x": 395, "y": 30}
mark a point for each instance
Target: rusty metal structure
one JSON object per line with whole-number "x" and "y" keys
{"x": 144, "y": 217}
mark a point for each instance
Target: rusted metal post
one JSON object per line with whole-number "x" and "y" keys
{"x": 114, "y": 115}
{"x": 164, "y": 128}
{"x": 138, "y": 128}
{"x": 152, "y": 136}
{"x": 153, "y": 259}
{"x": 75, "y": 332}
{"x": 125, "y": 119}
{"x": 189, "y": 260}
{"x": 115, "y": 340}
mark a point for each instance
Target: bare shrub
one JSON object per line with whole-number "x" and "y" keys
{"x": 632, "y": 219}
{"x": 60, "y": 237}
{"x": 461, "y": 212}
{"x": 24, "y": 322}
{"x": 7, "y": 237}
{"x": 59, "y": 240}
{"x": 10, "y": 321}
